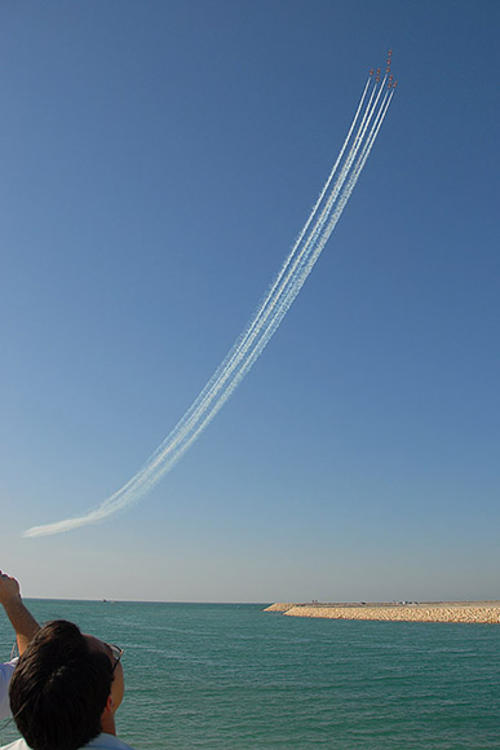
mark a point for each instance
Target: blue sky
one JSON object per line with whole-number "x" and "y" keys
{"x": 158, "y": 160}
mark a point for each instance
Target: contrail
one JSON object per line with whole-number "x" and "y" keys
{"x": 271, "y": 311}
{"x": 301, "y": 258}
{"x": 304, "y": 270}
{"x": 235, "y": 354}
{"x": 242, "y": 346}
{"x": 335, "y": 216}
{"x": 238, "y": 351}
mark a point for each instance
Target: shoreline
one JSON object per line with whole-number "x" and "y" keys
{"x": 480, "y": 612}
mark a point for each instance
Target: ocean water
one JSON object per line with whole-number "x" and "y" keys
{"x": 232, "y": 677}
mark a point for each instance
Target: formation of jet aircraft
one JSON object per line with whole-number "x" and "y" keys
{"x": 391, "y": 84}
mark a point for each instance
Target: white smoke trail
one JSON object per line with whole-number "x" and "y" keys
{"x": 173, "y": 444}
{"x": 234, "y": 357}
{"x": 306, "y": 268}
{"x": 293, "y": 262}
{"x": 115, "y": 501}
{"x": 273, "y": 324}
{"x": 303, "y": 255}
{"x": 236, "y": 353}
{"x": 250, "y": 345}
{"x": 346, "y": 193}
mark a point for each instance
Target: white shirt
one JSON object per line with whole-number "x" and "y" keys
{"x": 102, "y": 742}
{"x": 5, "y": 675}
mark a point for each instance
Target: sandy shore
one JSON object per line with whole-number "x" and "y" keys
{"x": 471, "y": 612}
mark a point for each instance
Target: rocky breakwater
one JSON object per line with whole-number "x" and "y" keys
{"x": 280, "y": 607}
{"x": 467, "y": 612}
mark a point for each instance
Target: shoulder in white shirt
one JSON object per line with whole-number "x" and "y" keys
{"x": 5, "y": 675}
{"x": 102, "y": 742}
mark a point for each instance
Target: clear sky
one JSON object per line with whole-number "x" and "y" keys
{"x": 157, "y": 161}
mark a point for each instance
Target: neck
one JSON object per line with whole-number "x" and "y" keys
{"x": 108, "y": 724}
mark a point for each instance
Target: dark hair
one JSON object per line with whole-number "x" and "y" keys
{"x": 59, "y": 689}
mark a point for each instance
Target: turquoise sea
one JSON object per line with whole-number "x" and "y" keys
{"x": 231, "y": 677}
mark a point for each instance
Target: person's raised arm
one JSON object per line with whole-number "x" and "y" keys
{"x": 22, "y": 621}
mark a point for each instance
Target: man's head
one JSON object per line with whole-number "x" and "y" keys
{"x": 65, "y": 688}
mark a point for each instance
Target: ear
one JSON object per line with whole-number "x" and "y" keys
{"x": 107, "y": 717}
{"x": 109, "y": 707}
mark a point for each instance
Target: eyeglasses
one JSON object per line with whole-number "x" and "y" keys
{"x": 116, "y": 653}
